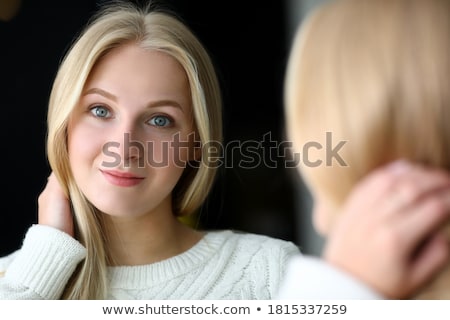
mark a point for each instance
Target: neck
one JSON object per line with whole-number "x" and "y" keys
{"x": 147, "y": 239}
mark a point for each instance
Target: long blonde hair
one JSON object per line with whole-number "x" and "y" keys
{"x": 375, "y": 74}
{"x": 152, "y": 29}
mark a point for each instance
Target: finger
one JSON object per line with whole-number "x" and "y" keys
{"x": 380, "y": 183}
{"x": 418, "y": 182}
{"x": 375, "y": 189}
{"x": 432, "y": 257}
{"x": 380, "y": 180}
{"x": 54, "y": 184}
{"x": 410, "y": 188}
{"x": 52, "y": 177}
{"x": 424, "y": 217}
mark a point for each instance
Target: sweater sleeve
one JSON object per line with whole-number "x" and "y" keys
{"x": 309, "y": 277}
{"x": 42, "y": 267}
{"x": 271, "y": 261}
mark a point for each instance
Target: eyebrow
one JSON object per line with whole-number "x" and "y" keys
{"x": 110, "y": 96}
{"x": 101, "y": 92}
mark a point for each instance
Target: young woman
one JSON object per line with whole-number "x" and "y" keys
{"x": 376, "y": 74}
{"x": 133, "y": 102}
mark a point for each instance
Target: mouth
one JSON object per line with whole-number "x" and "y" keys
{"x": 121, "y": 178}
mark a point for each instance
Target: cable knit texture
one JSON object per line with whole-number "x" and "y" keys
{"x": 223, "y": 265}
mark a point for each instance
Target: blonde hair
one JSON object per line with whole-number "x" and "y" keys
{"x": 152, "y": 29}
{"x": 375, "y": 74}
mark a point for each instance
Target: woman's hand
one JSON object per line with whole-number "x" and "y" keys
{"x": 54, "y": 207}
{"x": 388, "y": 234}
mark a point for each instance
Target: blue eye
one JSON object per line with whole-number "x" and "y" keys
{"x": 160, "y": 121}
{"x": 100, "y": 112}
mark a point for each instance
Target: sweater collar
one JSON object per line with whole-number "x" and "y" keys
{"x": 141, "y": 276}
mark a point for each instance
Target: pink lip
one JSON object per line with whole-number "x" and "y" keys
{"x": 121, "y": 179}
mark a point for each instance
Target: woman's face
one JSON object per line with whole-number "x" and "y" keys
{"x": 127, "y": 137}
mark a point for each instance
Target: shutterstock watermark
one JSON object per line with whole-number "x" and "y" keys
{"x": 247, "y": 154}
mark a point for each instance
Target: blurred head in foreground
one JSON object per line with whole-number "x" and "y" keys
{"x": 368, "y": 82}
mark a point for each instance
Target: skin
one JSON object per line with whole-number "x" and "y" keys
{"x": 387, "y": 232}
{"x": 145, "y": 95}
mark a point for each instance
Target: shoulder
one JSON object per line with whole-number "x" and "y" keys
{"x": 255, "y": 264}
{"x": 263, "y": 242}
{"x": 253, "y": 245}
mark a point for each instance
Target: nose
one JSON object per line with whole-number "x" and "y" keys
{"x": 131, "y": 148}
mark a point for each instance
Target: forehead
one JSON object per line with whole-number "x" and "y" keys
{"x": 130, "y": 70}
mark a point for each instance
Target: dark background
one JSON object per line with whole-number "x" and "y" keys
{"x": 248, "y": 43}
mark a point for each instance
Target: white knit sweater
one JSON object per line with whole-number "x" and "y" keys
{"x": 223, "y": 265}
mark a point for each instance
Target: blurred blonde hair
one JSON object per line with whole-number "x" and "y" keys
{"x": 118, "y": 24}
{"x": 374, "y": 73}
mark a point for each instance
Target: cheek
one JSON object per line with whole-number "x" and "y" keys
{"x": 163, "y": 153}
{"x": 179, "y": 150}
{"x": 83, "y": 144}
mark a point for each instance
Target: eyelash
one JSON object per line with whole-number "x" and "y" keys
{"x": 169, "y": 121}
{"x": 95, "y": 108}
